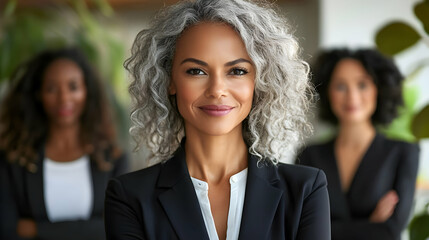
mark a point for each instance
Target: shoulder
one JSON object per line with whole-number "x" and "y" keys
{"x": 143, "y": 177}
{"x": 314, "y": 152}
{"x": 400, "y": 145}
{"x": 301, "y": 180}
{"x": 399, "y": 148}
{"x": 300, "y": 174}
{"x": 137, "y": 184}
{"x": 316, "y": 148}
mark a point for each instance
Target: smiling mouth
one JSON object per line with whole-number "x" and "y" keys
{"x": 350, "y": 109}
{"x": 216, "y": 110}
{"x": 64, "y": 112}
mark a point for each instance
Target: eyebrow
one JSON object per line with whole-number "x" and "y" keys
{"x": 199, "y": 62}
{"x": 237, "y": 61}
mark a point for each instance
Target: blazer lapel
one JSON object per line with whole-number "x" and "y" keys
{"x": 99, "y": 179}
{"x": 179, "y": 199}
{"x": 34, "y": 182}
{"x": 364, "y": 175}
{"x": 337, "y": 197}
{"x": 261, "y": 200}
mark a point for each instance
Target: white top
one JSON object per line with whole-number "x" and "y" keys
{"x": 68, "y": 189}
{"x": 236, "y": 202}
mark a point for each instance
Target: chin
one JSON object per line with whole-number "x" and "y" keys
{"x": 66, "y": 122}
{"x": 354, "y": 119}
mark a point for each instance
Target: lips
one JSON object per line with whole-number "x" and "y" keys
{"x": 216, "y": 110}
{"x": 65, "y": 112}
{"x": 350, "y": 108}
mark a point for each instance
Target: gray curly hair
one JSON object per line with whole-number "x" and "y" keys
{"x": 277, "y": 122}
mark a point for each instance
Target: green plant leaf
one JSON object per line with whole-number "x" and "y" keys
{"x": 104, "y": 7}
{"x": 421, "y": 10}
{"x": 396, "y": 37}
{"x": 418, "y": 227}
{"x": 10, "y": 8}
{"x": 420, "y": 124}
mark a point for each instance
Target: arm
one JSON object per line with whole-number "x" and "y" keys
{"x": 315, "y": 217}
{"x": 404, "y": 186}
{"x": 85, "y": 230}
{"x": 8, "y": 210}
{"x": 120, "y": 218}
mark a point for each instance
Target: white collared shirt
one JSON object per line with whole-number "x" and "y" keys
{"x": 236, "y": 202}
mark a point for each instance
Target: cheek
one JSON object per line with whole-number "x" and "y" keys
{"x": 243, "y": 91}
{"x": 81, "y": 96}
{"x": 186, "y": 95}
{"x": 80, "y": 99}
{"x": 48, "y": 101}
{"x": 335, "y": 98}
{"x": 371, "y": 98}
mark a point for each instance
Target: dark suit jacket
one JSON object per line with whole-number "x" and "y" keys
{"x": 386, "y": 165}
{"x": 22, "y": 196}
{"x": 284, "y": 202}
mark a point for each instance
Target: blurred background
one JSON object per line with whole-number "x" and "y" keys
{"x": 105, "y": 30}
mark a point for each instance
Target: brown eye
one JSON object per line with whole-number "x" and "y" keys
{"x": 73, "y": 86}
{"x": 195, "y": 71}
{"x": 238, "y": 71}
{"x": 362, "y": 85}
{"x": 340, "y": 87}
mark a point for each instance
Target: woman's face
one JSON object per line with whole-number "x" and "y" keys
{"x": 63, "y": 92}
{"x": 212, "y": 78}
{"x": 352, "y": 92}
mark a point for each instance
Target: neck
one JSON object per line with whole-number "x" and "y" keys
{"x": 62, "y": 137}
{"x": 214, "y": 158}
{"x": 356, "y": 133}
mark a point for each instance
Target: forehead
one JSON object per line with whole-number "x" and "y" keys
{"x": 62, "y": 68}
{"x": 349, "y": 63}
{"x": 349, "y": 67}
{"x": 210, "y": 39}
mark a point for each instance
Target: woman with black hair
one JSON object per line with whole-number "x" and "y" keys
{"x": 58, "y": 150}
{"x": 371, "y": 178}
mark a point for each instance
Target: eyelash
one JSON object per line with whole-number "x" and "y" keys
{"x": 189, "y": 71}
{"x": 243, "y": 71}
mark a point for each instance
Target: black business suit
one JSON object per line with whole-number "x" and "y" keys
{"x": 386, "y": 165}
{"x": 23, "y": 197}
{"x": 284, "y": 202}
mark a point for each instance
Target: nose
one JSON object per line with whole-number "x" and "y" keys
{"x": 217, "y": 86}
{"x": 63, "y": 95}
{"x": 353, "y": 95}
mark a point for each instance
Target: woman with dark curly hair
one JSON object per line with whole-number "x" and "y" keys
{"x": 58, "y": 149}
{"x": 220, "y": 96}
{"x": 371, "y": 178}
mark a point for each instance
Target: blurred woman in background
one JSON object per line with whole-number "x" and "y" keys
{"x": 58, "y": 149}
{"x": 371, "y": 178}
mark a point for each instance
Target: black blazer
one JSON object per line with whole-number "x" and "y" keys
{"x": 284, "y": 202}
{"x": 386, "y": 165}
{"x": 22, "y": 196}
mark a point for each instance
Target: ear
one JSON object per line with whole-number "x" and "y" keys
{"x": 172, "y": 88}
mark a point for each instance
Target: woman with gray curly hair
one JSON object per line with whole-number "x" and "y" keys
{"x": 220, "y": 96}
